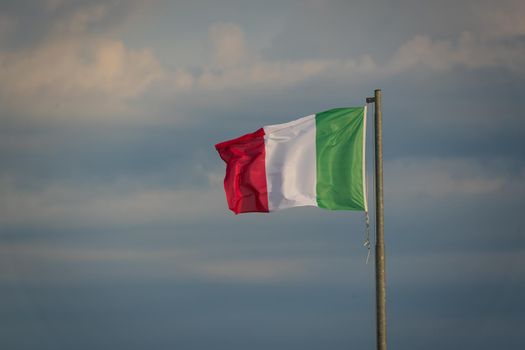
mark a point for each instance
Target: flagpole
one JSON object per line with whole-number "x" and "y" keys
{"x": 380, "y": 243}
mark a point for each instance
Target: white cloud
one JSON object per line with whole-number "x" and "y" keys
{"x": 262, "y": 74}
{"x": 234, "y": 66}
{"x": 74, "y": 70}
{"x": 228, "y": 43}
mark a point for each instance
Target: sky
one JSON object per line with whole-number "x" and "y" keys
{"x": 114, "y": 228}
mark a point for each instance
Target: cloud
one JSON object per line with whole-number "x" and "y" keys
{"x": 73, "y": 69}
{"x": 118, "y": 204}
{"x": 251, "y": 270}
{"x": 456, "y": 177}
{"x": 203, "y": 262}
{"x": 76, "y": 70}
{"x": 469, "y": 51}
{"x": 213, "y": 261}
{"x": 235, "y": 67}
{"x": 228, "y": 43}
{"x": 503, "y": 20}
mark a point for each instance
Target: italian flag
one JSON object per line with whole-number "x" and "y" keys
{"x": 317, "y": 160}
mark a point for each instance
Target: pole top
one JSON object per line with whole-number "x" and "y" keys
{"x": 377, "y": 92}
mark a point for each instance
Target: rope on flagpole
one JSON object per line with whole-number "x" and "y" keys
{"x": 366, "y": 243}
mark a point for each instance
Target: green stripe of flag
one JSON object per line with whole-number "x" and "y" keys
{"x": 340, "y": 157}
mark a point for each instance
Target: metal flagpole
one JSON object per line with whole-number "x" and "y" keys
{"x": 380, "y": 243}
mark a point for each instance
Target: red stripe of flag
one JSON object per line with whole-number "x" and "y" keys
{"x": 245, "y": 180}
